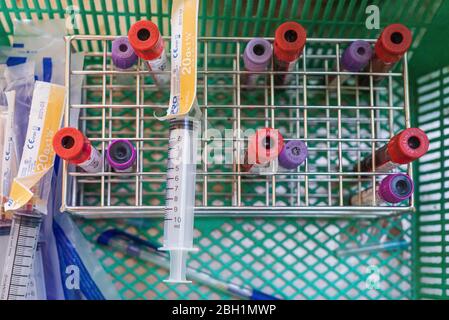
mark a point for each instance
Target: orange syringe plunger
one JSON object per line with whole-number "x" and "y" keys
{"x": 73, "y": 146}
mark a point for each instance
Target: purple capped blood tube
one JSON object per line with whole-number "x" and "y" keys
{"x": 123, "y": 55}
{"x": 354, "y": 59}
{"x": 256, "y": 57}
{"x": 293, "y": 154}
{"x": 121, "y": 155}
{"x": 394, "y": 188}
{"x": 356, "y": 56}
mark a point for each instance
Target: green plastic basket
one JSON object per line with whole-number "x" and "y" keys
{"x": 289, "y": 257}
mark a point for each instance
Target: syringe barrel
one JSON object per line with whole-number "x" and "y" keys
{"x": 180, "y": 195}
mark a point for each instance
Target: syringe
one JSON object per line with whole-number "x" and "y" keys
{"x": 20, "y": 255}
{"x": 180, "y": 196}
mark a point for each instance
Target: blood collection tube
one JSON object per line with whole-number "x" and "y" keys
{"x": 393, "y": 43}
{"x": 256, "y": 58}
{"x": 121, "y": 155}
{"x": 293, "y": 154}
{"x": 147, "y": 42}
{"x": 73, "y": 146}
{"x": 354, "y": 59}
{"x": 392, "y": 189}
{"x": 405, "y": 147}
{"x": 289, "y": 41}
{"x": 263, "y": 147}
{"x": 123, "y": 55}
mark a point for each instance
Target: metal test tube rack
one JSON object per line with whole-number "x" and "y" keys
{"x": 301, "y": 196}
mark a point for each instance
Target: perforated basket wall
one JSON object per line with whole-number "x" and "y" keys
{"x": 432, "y": 224}
{"x": 293, "y": 258}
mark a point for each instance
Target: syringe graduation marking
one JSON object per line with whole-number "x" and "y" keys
{"x": 22, "y": 247}
{"x": 180, "y": 191}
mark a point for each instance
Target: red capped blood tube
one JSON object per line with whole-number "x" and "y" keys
{"x": 263, "y": 147}
{"x": 289, "y": 41}
{"x": 147, "y": 42}
{"x": 73, "y": 146}
{"x": 393, "y": 43}
{"x": 405, "y": 147}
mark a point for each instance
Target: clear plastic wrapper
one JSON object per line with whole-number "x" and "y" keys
{"x": 41, "y": 42}
{"x": 20, "y": 79}
{"x": 3, "y": 101}
{"x": 8, "y": 160}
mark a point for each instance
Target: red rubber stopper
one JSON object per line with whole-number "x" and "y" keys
{"x": 408, "y": 145}
{"x": 146, "y": 40}
{"x": 289, "y": 41}
{"x": 265, "y": 145}
{"x": 72, "y": 145}
{"x": 393, "y": 43}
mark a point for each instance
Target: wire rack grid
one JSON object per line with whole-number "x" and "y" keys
{"x": 341, "y": 125}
